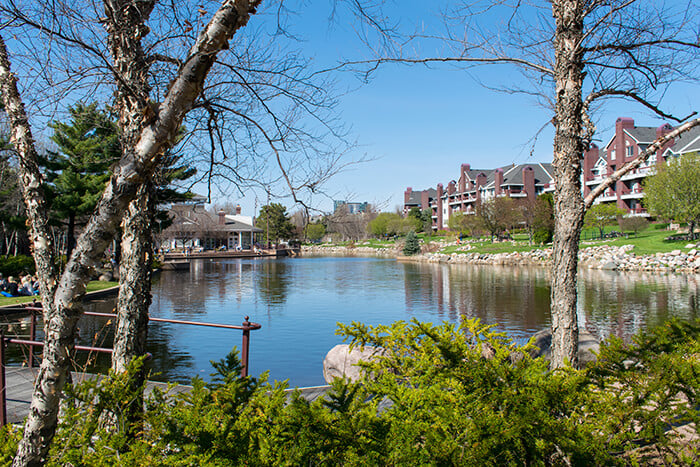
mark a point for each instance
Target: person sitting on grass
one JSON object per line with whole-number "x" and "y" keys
{"x": 26, "y": 288}
{"x": 12, "y": 288}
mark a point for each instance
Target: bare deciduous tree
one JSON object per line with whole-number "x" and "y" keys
{"x": 573, "y": 55}
{"x": 154, "y": 129}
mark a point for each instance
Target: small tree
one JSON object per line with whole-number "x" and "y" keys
{"x": 315, "y": 232}
{"x": 633, "y": 224}
{"x": 379, "y": 226}
{"x": 458, "y": 223}
{"x": 674, "y": 192}
{"x": 600, "y": 216}
{"x": 412, "y": 246}
{"x": 274, "y": 221}
{"x": 544, "y": 219}
{"x": 497, "y": 214}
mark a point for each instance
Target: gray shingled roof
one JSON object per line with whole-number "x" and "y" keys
{"x": 687, "y": 142}
{"x": 415, "y": 197}
{"x": 642, "y": 134}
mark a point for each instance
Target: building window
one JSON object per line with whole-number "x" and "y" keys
{"x": 612, "y": 155}
{"x": 630, "y": 151}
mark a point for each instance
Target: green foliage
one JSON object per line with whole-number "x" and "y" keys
{"x": 674, "y": 191}
{"x": 412, "y": 245}
{"x": 633, "y": 224}
{"x": 15, "y": 265}
{"x": 644, "y": 389}
{"x": 436, "y": 395}
{"x": 601, "y": 215}
{"x": 315, "y": 232}
{"x": 384, "y": 224}
{"x": 542, "y": 220}
{"x": 273, "y": 219}
{"x": 424, "y": 219}
{"x": 542, "y": 236}
{"x": 78, "y": 172}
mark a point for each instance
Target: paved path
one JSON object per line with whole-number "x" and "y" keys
{"x": 20, "y": 382}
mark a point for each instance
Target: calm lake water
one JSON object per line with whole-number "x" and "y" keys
{"x": 299, "y": 302}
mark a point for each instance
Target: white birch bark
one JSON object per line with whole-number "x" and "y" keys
{"x": 135, "y": 167}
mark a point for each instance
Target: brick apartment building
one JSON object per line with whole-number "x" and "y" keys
{"x": 473, "y": 185}
{"x": 626, "y": 144}
{"x": 530, "y": 180}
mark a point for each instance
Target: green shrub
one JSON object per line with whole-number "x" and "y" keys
{"x": 16, "y": 265}
{"x": 412, "y": 245}
{"x": 438, "y": 395}
{"x": 542, "y": 236}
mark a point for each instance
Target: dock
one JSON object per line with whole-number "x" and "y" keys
{"x": 20, "y": 383}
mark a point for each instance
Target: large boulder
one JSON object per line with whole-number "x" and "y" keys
{"x": 587, "y": 344}
{"x": 341, "y": 361}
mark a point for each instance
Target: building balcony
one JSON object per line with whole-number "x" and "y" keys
{"x": 632, "y": 194}
{"x": 607, "y": 197}
{"x": 641, "y": 172}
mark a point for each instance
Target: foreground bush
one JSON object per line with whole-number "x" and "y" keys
{"x": 439, "y": 395}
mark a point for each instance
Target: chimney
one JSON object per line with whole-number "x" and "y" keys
{"x": 590, "y": 157}
{"x": 451, "y": 188}
{"x": 463, "y": 178}
{"x": 529, "y": 182}
{"x": 407, "y": 195}
{"x": 424, "y": 200}
{"x": 663, "y": 129}
{"x": 222, "y": 217}
{"x": 498, "y": 181}
{"x": 439, "y": 206}
{"x": 480, "y": 181}
{"x": 238, "y": 209}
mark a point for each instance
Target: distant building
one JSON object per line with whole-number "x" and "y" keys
{"x": 193, "y": 226}
{"x": 352, "y": 207}
{"x": 626, "y": 144}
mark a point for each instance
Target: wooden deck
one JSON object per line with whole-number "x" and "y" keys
{"x": 20, "y": 382}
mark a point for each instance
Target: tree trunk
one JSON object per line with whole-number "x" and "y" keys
{"x": 134, "y": 301}
{"x": 134, "y": 282}
{"x": 568, "y": 201}
{"x": 62, "y": 299}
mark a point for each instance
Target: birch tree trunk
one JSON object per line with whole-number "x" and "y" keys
{"x": 62, "y": 297}
{"x": 134, "y": 282}
{"x": 131, "y": 332}
{"x": 568, "y": 154}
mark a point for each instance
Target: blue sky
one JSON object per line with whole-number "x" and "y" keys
{"x": 417, "y": 125}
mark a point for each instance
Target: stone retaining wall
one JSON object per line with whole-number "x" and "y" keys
{"x": 595, "y": 257}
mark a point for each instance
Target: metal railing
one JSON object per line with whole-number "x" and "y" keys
{"x": 246, "y": 327}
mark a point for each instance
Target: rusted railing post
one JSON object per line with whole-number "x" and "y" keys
{"x": 32, "y": 337}
{"x": 244, "y": 347}
{"x": 3, "y": 398}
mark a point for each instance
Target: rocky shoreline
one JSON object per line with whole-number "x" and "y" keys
{"x": 605, "y": 257}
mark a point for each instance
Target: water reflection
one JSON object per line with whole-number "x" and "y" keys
{"x": 300, "y": 301}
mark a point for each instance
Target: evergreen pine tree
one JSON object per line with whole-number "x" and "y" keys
{"x": 78, "y": 172}
{"x": 412, "y": 246}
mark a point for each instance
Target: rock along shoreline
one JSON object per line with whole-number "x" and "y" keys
{"x": 606, "y": 257}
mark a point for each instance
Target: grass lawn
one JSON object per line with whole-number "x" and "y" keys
{"x": 648, "y": 242}
{"x": 91, "y": 287}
